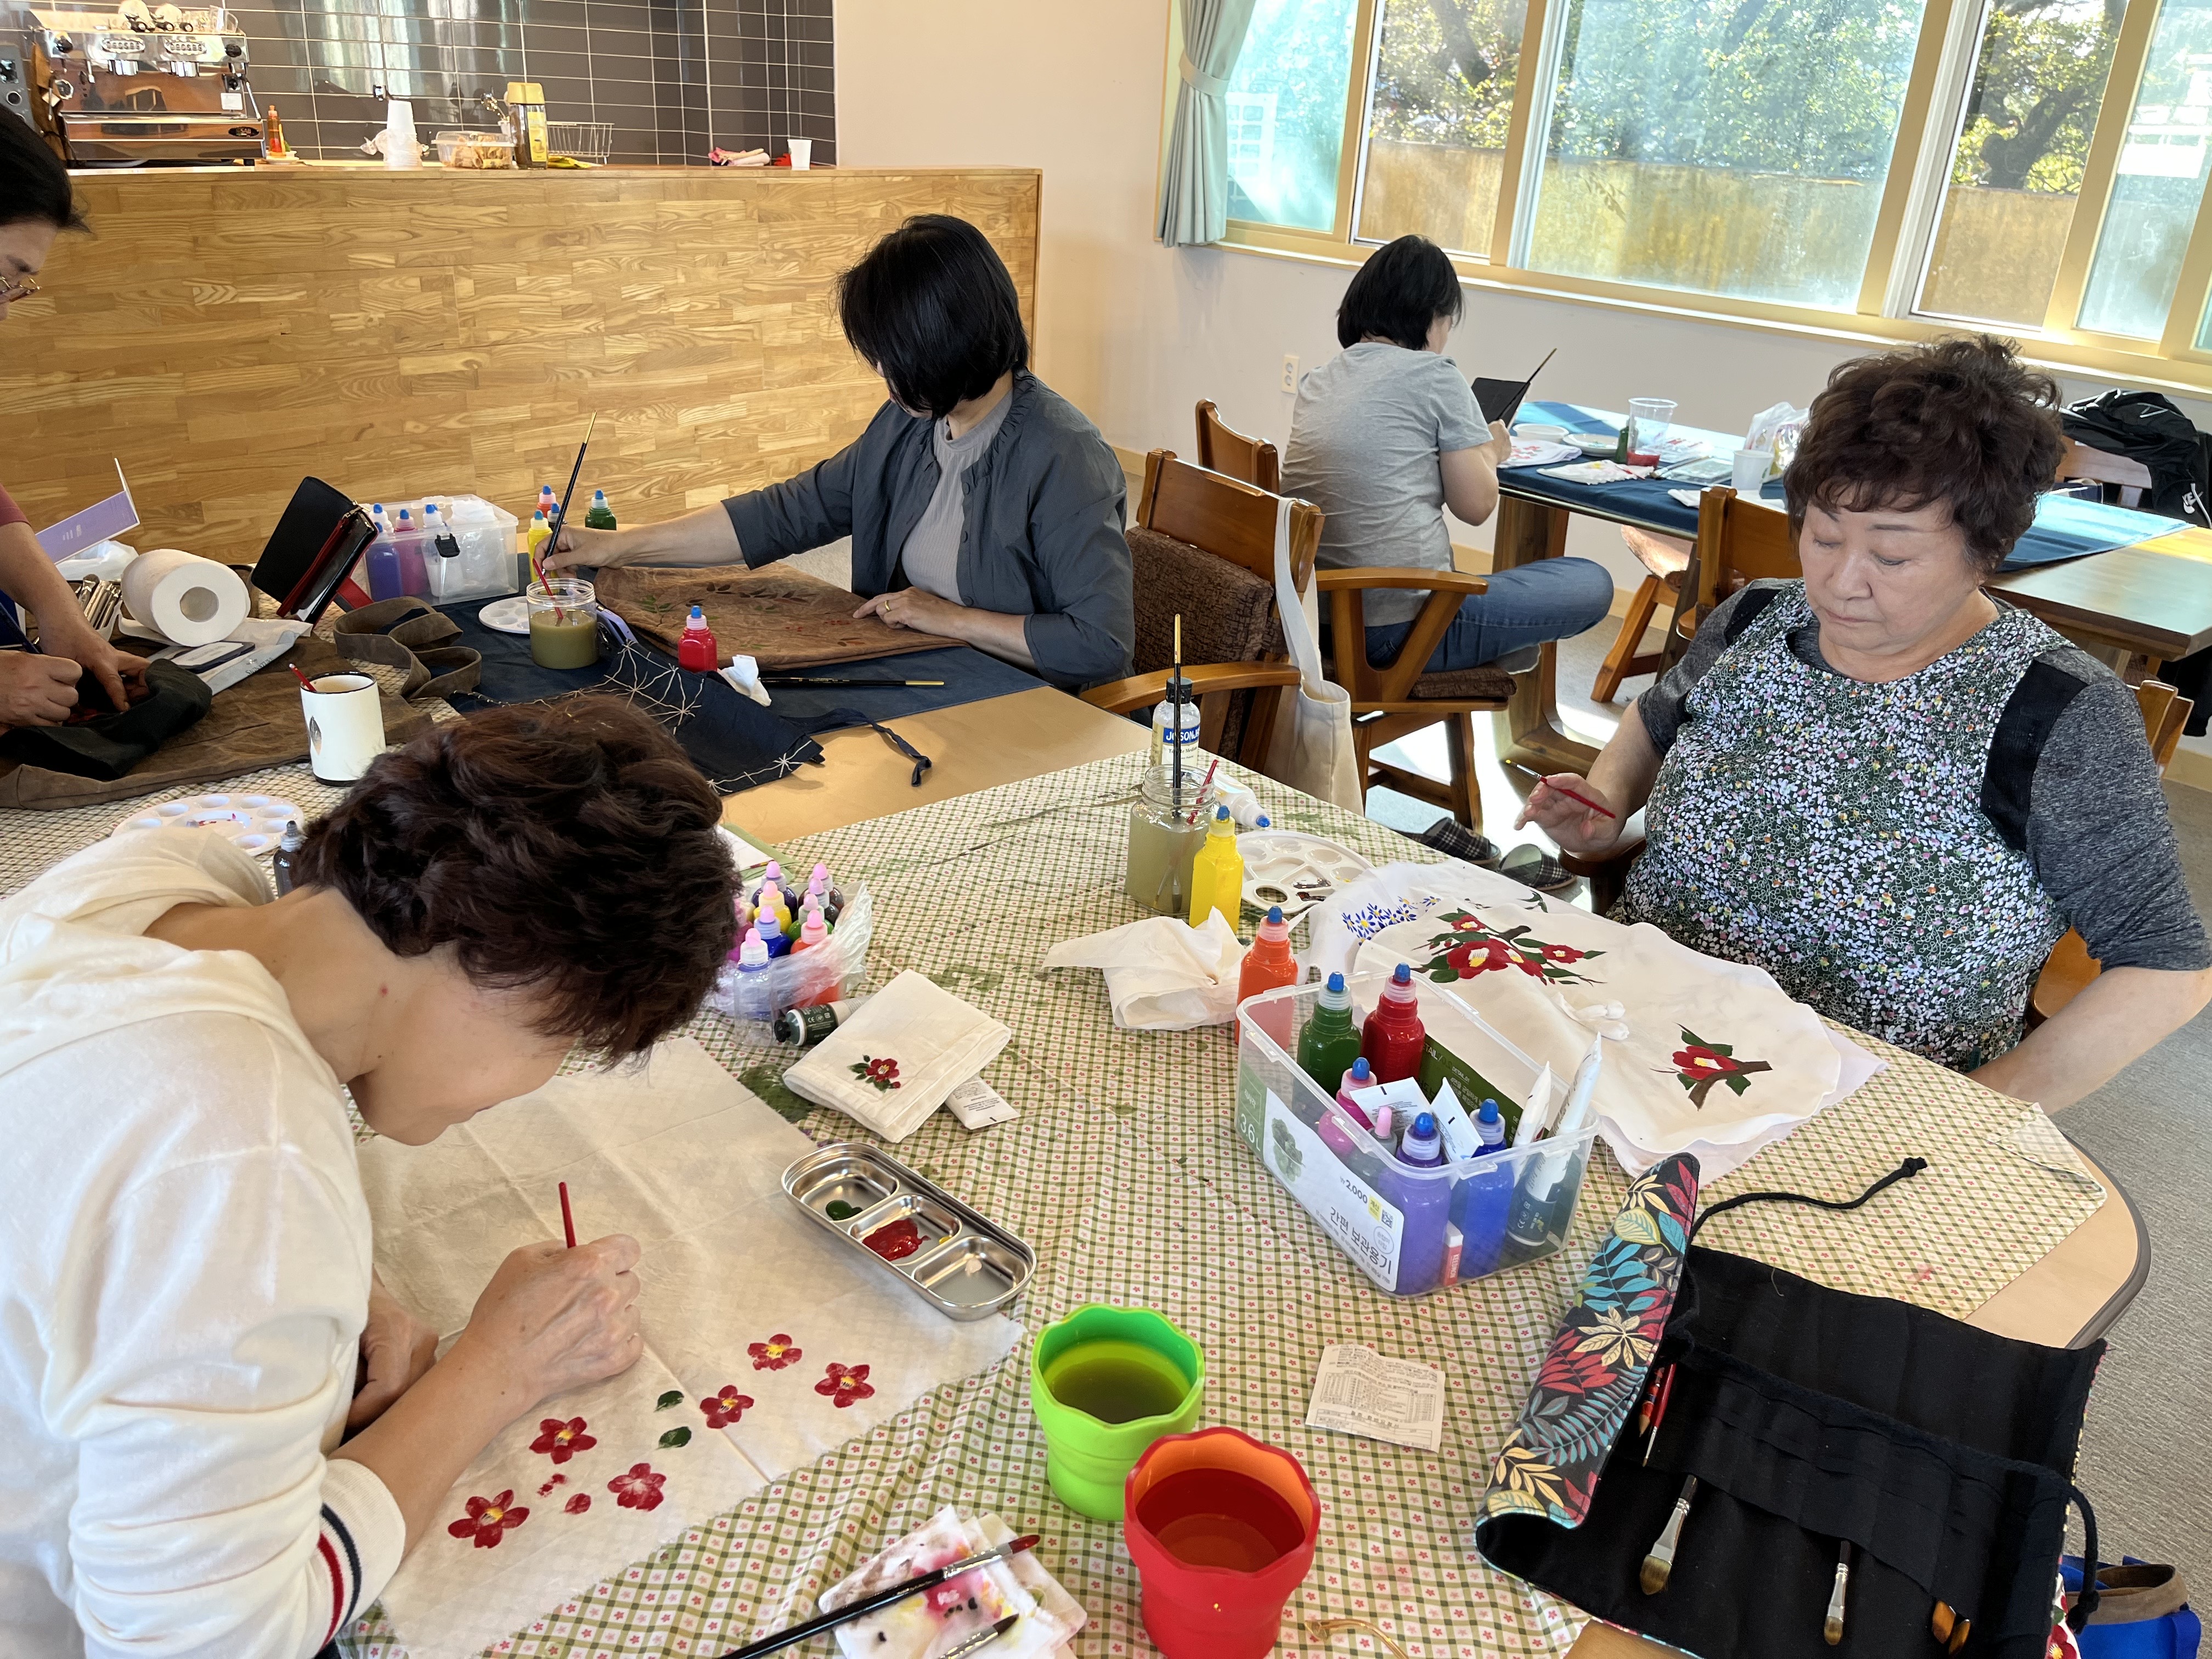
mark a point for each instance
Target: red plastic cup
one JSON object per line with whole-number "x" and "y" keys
{"x": 1222, "y": 1528}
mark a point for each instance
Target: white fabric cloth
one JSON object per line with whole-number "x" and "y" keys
{"x": 687, "y": 1161}
{"x": 186, "y": 1274}
{"x": 893, "y": 1063}
{"x": 1162, "y": 974}
{"x": 922, "y": 1627}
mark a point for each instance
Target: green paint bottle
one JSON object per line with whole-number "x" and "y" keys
{"x": 1330, "y": 1041}
{"x": 601, "y": 516}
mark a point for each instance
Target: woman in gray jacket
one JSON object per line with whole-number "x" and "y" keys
{"x": 982, "y": 506}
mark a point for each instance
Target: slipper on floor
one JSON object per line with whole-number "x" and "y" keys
{"x": 1534, "y": 868}
{"x": 1455, "y": 839}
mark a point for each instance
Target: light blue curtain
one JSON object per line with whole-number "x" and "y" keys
{"x": 1195, "y": 183}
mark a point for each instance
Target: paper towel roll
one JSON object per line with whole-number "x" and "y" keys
{"x": 187, "y": 600}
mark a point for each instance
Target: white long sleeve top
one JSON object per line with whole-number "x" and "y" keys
{"x": 185, "y": 1267}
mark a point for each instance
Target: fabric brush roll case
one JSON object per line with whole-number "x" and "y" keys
{"x": 320, "y": 534}
{"x": 1810, "y": 1417}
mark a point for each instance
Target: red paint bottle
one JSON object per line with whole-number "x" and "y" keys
{"x": 1393, "y": 1038}
{"x": 697, "y": 650}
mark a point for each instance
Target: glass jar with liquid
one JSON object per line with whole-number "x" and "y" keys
{"x": 564, "y": 623}
{"x": 1167, "y": 827}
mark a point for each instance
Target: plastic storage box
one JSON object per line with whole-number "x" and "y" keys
{"x": 486, "y": 565}
{"x": 1397, "y": 1221}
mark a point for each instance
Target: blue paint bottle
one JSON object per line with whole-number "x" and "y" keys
{"x": 1425, "y": 1203}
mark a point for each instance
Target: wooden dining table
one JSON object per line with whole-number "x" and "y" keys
{"x": 2070, "y": 1297}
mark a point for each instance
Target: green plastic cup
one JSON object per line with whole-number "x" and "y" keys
{"x": 1105, "y": 1383}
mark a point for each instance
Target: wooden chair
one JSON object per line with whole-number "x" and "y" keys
{"x": 1666, "y": 560}
{"x": 2128, "y": 476}
{"x": 1221, "y": 449}
{"x": 2070, "y": 968}
{"x": 1187, "y": 516}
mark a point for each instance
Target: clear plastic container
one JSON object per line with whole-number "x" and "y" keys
{"x": 1396, "y": 1220}
{"x": 564, "y": 623}
{"x": 485, "y": 565}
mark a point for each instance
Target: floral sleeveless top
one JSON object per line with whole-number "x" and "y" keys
{"x": 1831, "y": 832}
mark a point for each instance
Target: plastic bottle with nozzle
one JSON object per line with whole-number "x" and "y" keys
{"x": 753, "y": 999}
{"x": 1243, "y": 805}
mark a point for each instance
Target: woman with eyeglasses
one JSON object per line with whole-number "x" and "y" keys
{"x": 42, "y": 688}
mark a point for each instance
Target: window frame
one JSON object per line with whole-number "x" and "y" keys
{"x": 1945, "y": 58}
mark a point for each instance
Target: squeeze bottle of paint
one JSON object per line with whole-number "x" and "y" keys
{"x": 1393, "y": 1037}
{"x": 1490, "y": 1124}
{"x": 409, "y": 542}
{"x": 1329, "y": 1042}
{"x": 384, "y": 582}
{"x": 1425, "y": 1202}
{"x": 1269, "y": 962}
{"x": 1357, "y": 1076}
{"x": 601, "y": 517}
{"x": 771, "y": 879}
{"x": 539, "y": 532}
{"x": 1243, "y": 805}
{"x": 548, "y": 502}
{"x": 753, "y": 999}
{"x": 772, "y": 934}
{"x": 1216, "y": 874}
{"x": 697, "y": 650}
{"x": 1551, "y": 1182}
{"x": 282, "y": 860}
{"x": 1333, "y": 1133}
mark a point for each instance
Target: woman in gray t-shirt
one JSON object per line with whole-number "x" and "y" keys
{"x": 1386, "y": 434}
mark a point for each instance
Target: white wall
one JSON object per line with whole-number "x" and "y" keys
{"x": 1135, "y": 334}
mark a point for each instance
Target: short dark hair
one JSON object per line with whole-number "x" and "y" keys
{"x": 1960, "y": 420}
{"x": 1404, "y": 287}
{"x": 34, "y": 183}
{"x": 567, "y": 848}
{"x": 932, "y": 307}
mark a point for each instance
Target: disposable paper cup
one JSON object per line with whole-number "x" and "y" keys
{"x": 1088, "y": 1457}
{"x": 345, "y": 726}
{"x": 1748, "y": 468}
{"x": 1222, "y": 1529}
{"x": 802, "y": 153}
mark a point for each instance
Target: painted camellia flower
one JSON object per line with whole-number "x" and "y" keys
{"x": 725, "y": 1404}
{"x": 774, "y": 1354}
{"x": 1698, "y": 1061}
{"x": 1699, "y": 1064}
{"x": 845, "y": 1384}
{"x": 638, "y": 1489}
{"x": 488, "y": 1520}
{"x": 880, "y": 1070}
{"x": 560, "y": 1440}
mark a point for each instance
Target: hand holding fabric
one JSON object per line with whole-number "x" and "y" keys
{"x": 36, "y": 690}
{"x": 395, "y": 1349}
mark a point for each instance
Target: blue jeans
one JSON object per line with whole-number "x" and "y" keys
{"x": 1548, "y": 599}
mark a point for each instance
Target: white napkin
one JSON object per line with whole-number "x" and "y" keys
{"x": 921, "y": 1626}
{"x": 743, "y": 674}
{"x": 893, "y": 1063}
{"x": 1162, "y": 974}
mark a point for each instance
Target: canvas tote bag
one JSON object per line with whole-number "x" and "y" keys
{"x": 1312, "y": 749}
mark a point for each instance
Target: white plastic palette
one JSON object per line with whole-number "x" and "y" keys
{"x": 1294, "y": 870}
{"x": 507, "y": 616}
{"x": 255, "y": 823}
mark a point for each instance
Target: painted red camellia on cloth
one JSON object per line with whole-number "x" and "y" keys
{"x": 845, "y": 1384}
{"x": 638, "y": 1489}
{"x": 1472, "y": 947}
{"x": 560, "y": 1440}
{"x": 579, "y": 1504}
{"x": 1699, "y": 1064}
{"x": 774, "y": 1354}
{"x": 725, "y": 1404}
{"x": 881, "y": 1071}
{"x": 488, "y": 1520}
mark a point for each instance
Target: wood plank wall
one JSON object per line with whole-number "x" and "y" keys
{"x": 226, "y": 333}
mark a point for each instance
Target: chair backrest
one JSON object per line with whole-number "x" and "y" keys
{"x": 1740, "y": 541}
{"x": 1221, "y": 449}
{"x": 1229, "y": 519}
{"x": 2079, "y": 461}
{"x": 2165, "y": 712}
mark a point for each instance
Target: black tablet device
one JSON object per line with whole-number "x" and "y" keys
{"x": 1500, "y": 400}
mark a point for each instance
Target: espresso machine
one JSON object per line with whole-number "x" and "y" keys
{"x": 139, "y": 84}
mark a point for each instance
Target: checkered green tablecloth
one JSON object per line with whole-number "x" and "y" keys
{"x": 1125, "y": 1173}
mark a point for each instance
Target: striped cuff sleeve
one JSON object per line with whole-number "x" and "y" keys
{"x": 360, "y": 1542}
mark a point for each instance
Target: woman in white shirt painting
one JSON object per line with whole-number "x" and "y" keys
{"x": 189, "y": 1321}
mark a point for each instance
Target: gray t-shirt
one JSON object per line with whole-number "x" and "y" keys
{"x": 2097, "y": 831}
{"x": 1365, "y": 435}
{"x": 931, "y": 554}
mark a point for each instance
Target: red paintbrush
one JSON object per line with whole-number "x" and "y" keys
{"x": 567, "y": 1219}
{"x": 1579, "y": 800}
{"x": 298, "y": 676}
{"x": 1655, "y": 1408}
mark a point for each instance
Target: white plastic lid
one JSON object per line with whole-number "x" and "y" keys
{"x": 471, "y": 509}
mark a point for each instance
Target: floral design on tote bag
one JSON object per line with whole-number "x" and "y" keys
{"x": 883, "y": 1073}
{"x": 778, "y": 1351}
{"x": 488, "y": 1520}
{"x": 1699, "y": 1064}
{"x": 1472, "y": 947}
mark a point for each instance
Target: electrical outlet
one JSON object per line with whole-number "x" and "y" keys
{"x": 1290, "y": 373}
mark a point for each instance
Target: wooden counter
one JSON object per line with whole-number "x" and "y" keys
{"x": 228, "y": 331}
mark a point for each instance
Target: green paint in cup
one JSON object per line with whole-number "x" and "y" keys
{"x": 1105, "y": 1383}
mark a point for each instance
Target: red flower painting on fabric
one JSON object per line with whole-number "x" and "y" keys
{"x": 845, "y": 1384}
{"x": 560, "y": 1440}
{"x": 638, "y": 1489}
{"x": 775, "y": 1353}
{"x": 579, "y": 1504}
{"x": 488, "y": 1520}
{"x": 1472, "y": 948}
{"x": 725, "y": 1405}
{"x": 1699, "y": 1064}
{"x": 883, "y": 1073}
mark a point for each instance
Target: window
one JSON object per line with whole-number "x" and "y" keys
{"x": 1298, "y": 62}
{"x": 1444, "y": 78}
{"x": 2016, "y": 164}
{"x": 1883, "y": 168}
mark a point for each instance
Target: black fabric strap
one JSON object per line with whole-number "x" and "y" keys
{"x": 1746, "y": 610}
{"x": 2042, "y": 695}
{"x": 2085, "y": 1604}
{"x": 1911, "y": 1167}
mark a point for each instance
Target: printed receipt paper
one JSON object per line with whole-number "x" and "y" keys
{"x": 1359, "y": 1391}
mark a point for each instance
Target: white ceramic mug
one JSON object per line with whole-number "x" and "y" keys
{"x": 345, "y": 726}
{"x": 802, "y": 154}
{"x": 1747, "y": 469}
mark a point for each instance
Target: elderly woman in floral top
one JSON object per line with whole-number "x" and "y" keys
{"x": 1892, "y": 791}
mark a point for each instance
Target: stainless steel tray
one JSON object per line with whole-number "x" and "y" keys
{"x": 967, "y": 1265}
